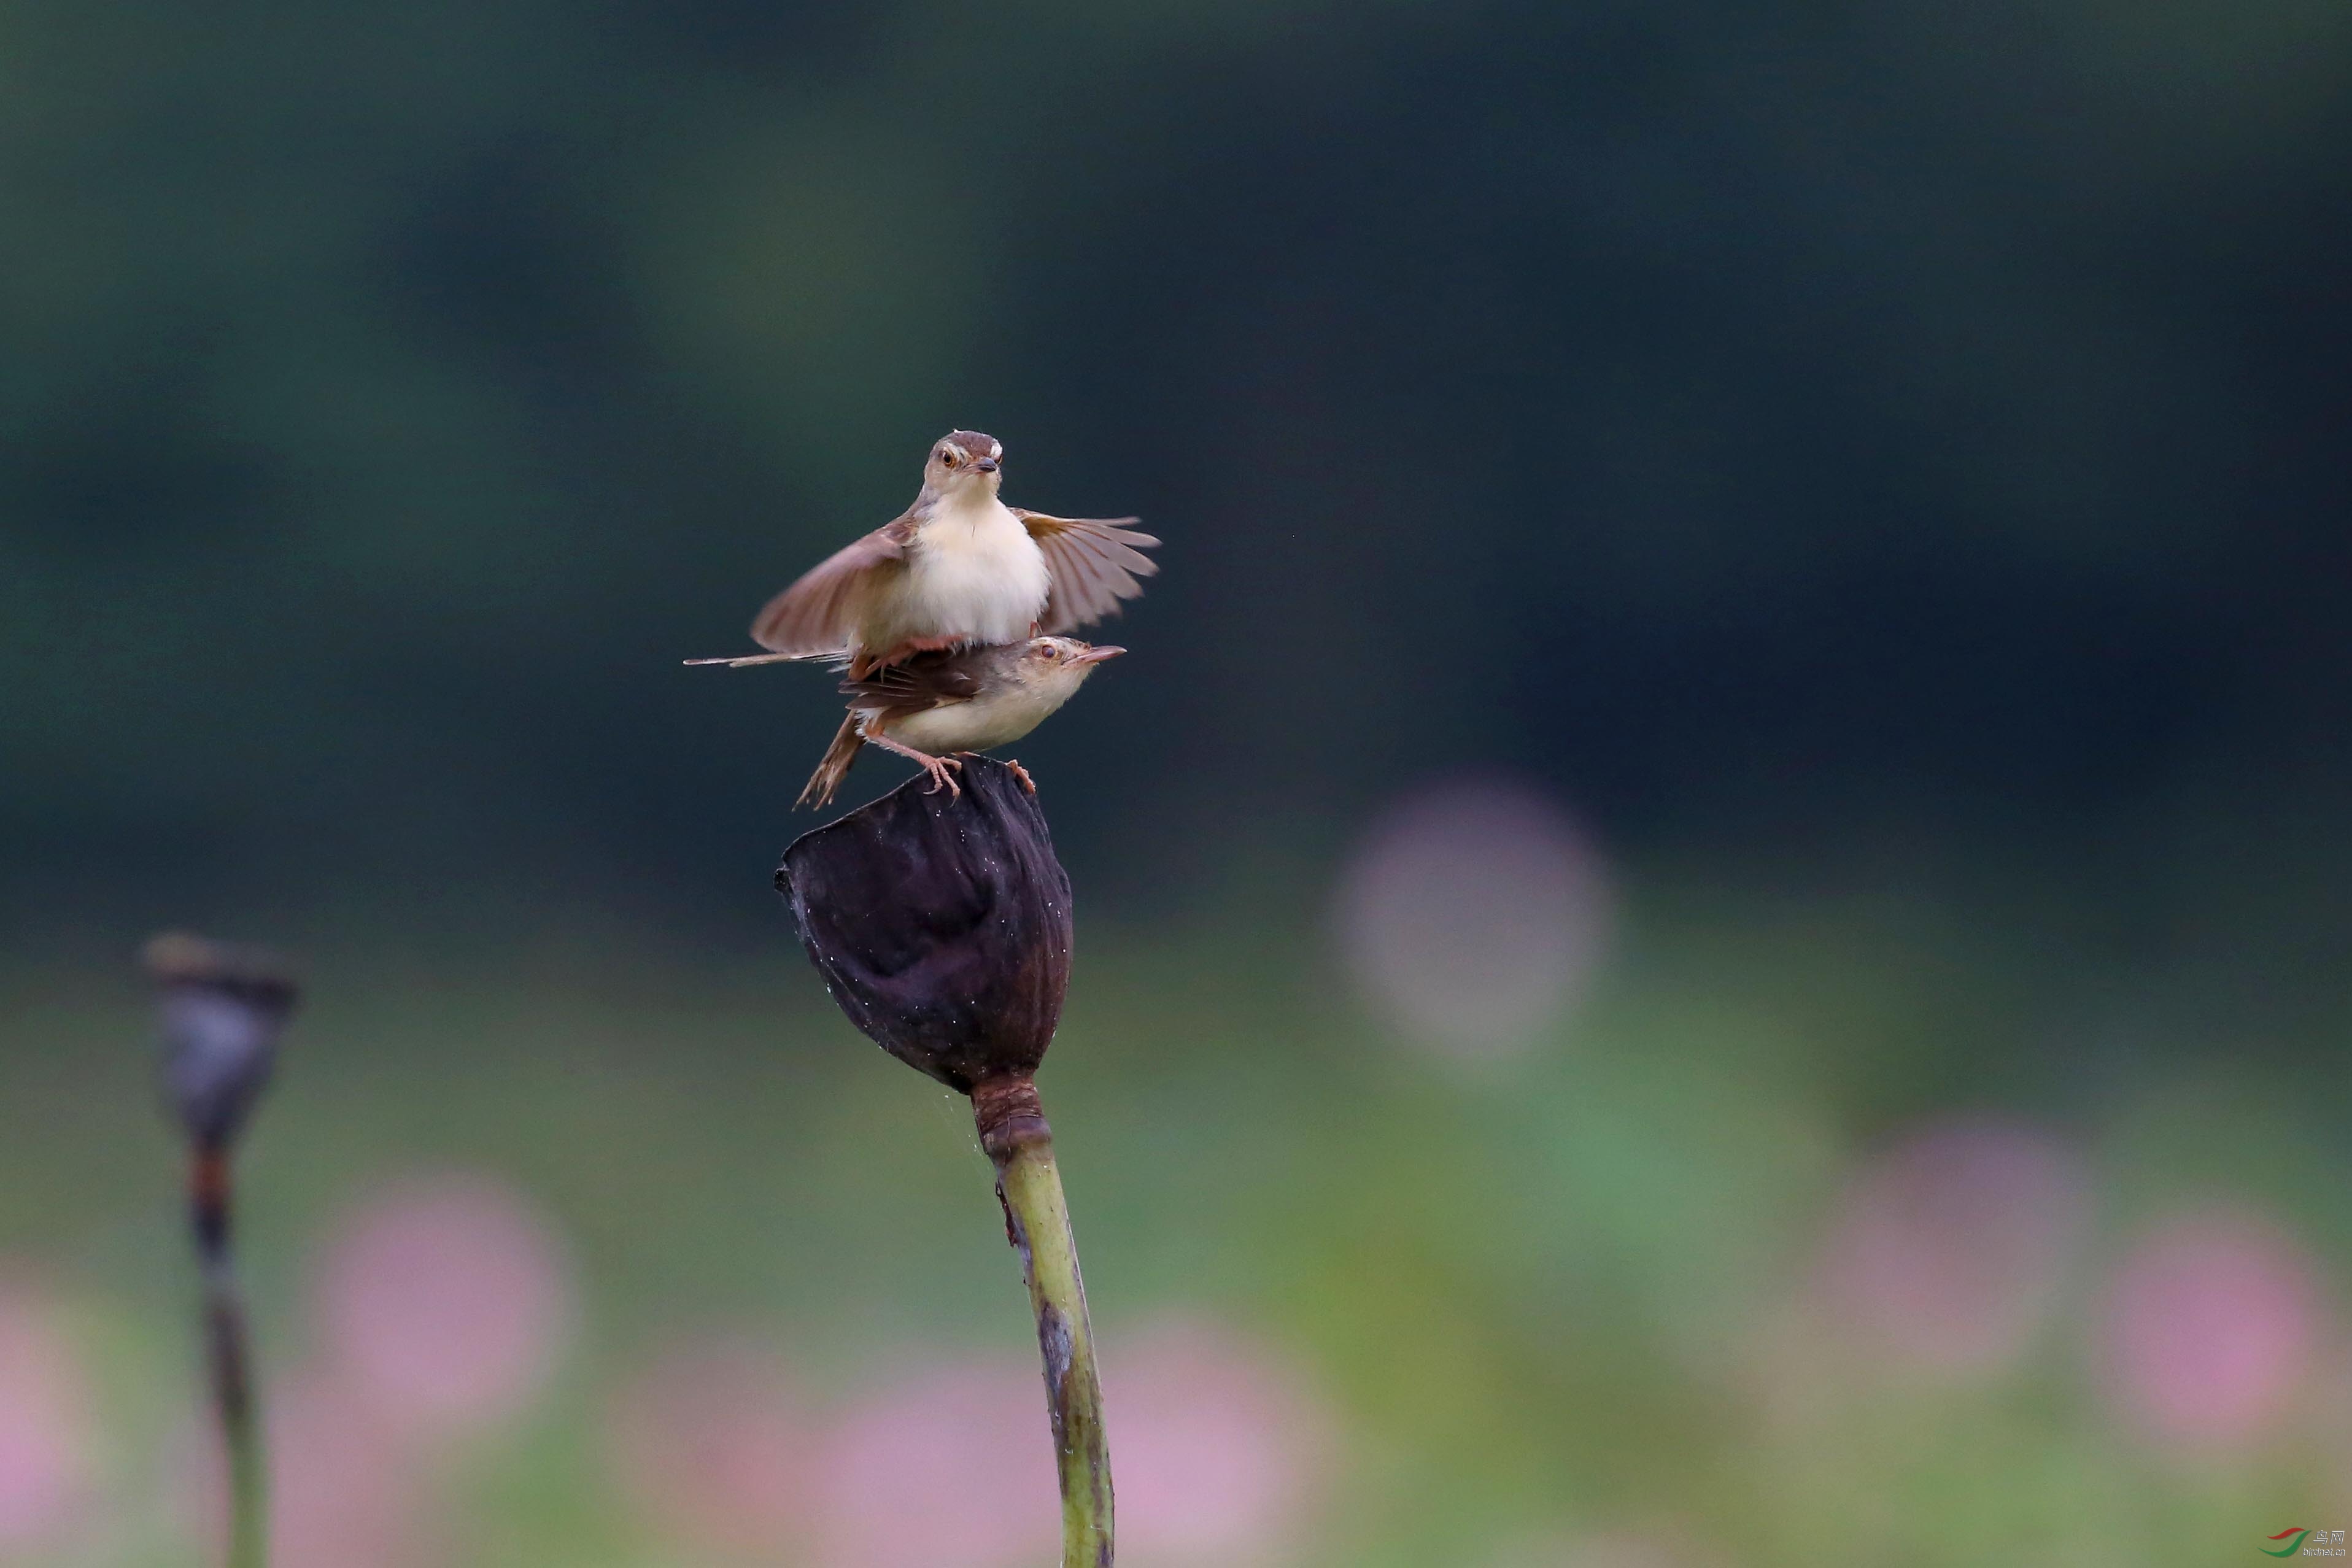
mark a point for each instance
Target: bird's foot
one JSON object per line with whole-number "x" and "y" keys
{"x": 1022, "y": 774}
{"x": 937, "y": 767}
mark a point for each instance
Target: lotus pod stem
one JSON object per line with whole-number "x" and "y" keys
{"x": 1014, "y": 1131}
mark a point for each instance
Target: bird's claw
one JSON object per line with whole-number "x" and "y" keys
{"x": 1022, "y": 774}
{"x": 937, "y": 768}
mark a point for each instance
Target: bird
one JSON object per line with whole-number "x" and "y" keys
{"x": 957, "y": 569}
{"x": 961, "y": 700}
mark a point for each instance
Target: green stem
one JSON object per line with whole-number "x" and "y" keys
{"x": 1037, "y": 1222}
{"x": 231, "y": 1366}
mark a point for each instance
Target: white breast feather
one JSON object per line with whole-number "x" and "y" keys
{"x": 1000, "y": 719}
{"x": 976, "y": 575}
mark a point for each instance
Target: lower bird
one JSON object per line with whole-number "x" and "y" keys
{"x": 969, "y": 699}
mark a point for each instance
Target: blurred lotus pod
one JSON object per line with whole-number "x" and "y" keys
{"x": 221, "y": 1008}
{"x": 941, "y": 923}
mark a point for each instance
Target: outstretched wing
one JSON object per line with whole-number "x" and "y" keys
{"x": 817, "y": 615}
{"x": 1094, "y": 561}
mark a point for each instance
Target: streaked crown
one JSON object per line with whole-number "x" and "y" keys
{"x": 963, "y": 456}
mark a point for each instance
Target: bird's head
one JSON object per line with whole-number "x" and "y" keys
{"x": 963, "y": 461}
{"x": 1060, "y": 664}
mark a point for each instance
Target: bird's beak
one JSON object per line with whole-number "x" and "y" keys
{"x": 1097, "y": 656}
{"x": 986, "y": 464}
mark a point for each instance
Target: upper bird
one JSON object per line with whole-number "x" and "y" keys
{"x": 957, "y": 569}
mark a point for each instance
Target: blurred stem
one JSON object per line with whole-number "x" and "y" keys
{"x": 230, "y": 1364}
{"x": 1037, "y": 1222}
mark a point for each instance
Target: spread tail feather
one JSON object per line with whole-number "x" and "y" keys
{"x": 834, "y": 767}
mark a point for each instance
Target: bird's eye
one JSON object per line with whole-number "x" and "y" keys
{"x": 947, "y": 457}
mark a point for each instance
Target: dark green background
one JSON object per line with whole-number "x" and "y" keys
{"x": 1884, "y": 467}
{"x": 1756, "y": 418}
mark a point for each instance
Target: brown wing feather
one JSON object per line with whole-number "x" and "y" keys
{"x": 924, "y": 682}
{"x": 818, "y": 613}
{"x": 1095, "y": 562}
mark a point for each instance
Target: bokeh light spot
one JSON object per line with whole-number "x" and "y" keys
{"x": 1948, "y": 1250}
{"x": 951, "y": 1467}
{"x": 45, "y": 1422}
{"x": 1472, "y": 915}
{"x": 444, "y": 1303}
{"x": 711, "y": 1444}
{"x": 342, "y": 1492}
{"x": 1220, "y": 1447}
{"x": 2212, "y": 1321}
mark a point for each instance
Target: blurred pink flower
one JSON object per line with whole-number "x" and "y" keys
{"x": 1218, "y": 1448}
{"x": 1948, "y": 1250}
{"x": 446, "y": 1302}
{"x": 714, "y": 1448}
{"x": 2211, "y": 1324}
{"x": 45, "y": 1422}
{"x": 1472, "y": 915}
{"x": 950, "y": 1468}
{"x": 342, "y": 1494}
